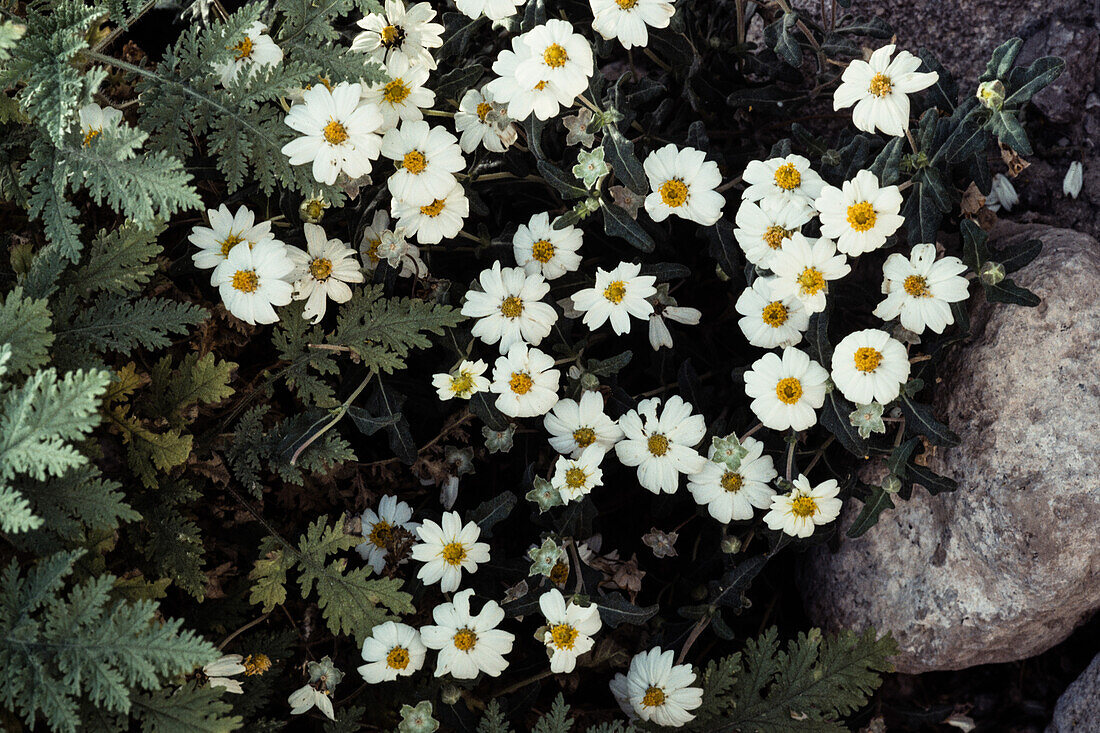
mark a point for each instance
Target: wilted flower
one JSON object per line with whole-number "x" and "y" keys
{"x": 626, "y": 199}
{"x": 591, "y": 167}
{"x": 545, "y": 557}
{"x": 544, "y": 494}
{"x": 221, "y": 669}
{"x": 417, "y": 719}
{"x": 867, "y": 419}
{"x": 577, "y": 125}
{"x": 1074, "y": 180}
{"x": 662, "y": 543}
{"x": 1003, "y": 195}
{"x": 499, "y": 441}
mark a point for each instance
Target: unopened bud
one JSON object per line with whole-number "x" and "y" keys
{"x": 992, "y": 273}
{"x": 731, "y": 545}
{"x": 589, "y": 381}
{"x": 592, "y": 204}
{"x": 991, "y": 94}
{"x": 450, "y": 694}
{"x": 891, "y": 484}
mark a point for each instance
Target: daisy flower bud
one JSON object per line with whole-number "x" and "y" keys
{"x": 991, "y": 94}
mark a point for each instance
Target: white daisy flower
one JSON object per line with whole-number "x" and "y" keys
{"x": 526, "y": 382}
{"x": 339, "y": 132}
{"x": 541, "y": 249}
{"x": 805, "y": 508}
{"x": 427, "y": 159}
{"x": 432, "y": 223}
{"x": 400, "y": 34}
{"x": 464, "y": 382}
{"x": 371, "y": 239}
{"x": 559, "y": 56}
{"x": 392, "y": 650}
{"x": 521, "y": 100}
{"x": 378, "y": 529}
{"x": 253, "y": 279}
{"x": 763, "y": 229}
{"x": 803, "y": 271}
{"x": 731, "y": 493}
{"x": 255, "y": 51}
{"x": 617, "y": 295}
{"x": 481, "y": 121}
{"x": 468, "y": 644}
{"x": 510, "y": 310}
{"x": 657, "y": 690}
{"x": 921, "y": 289}
{"x": 322, "y": 272}
{"x": 768, "y": 321}
{"x": 221, "y": 670}
{"x": 492, "y": 9}
{"x": 861, "y": 215}
{"x": 782, "y": 181}
{"x": 628, "y": 20}
{"x": 574, "y": 478}
{"x": 403, "y": 96}
{"x": 869, "y": 366}
{"x": 661, "y": 447}
{"x": 880, "y": 88}
{"x": 683, "y": 183}
{"x": 448, "y": 549}
{"x": 574, "y": 426}
{"x": 568, "y": 631}
{"x": 95, "y": 119}
{"x": 786, "y": 391}
{"x": 225, "y": 232}
{"x": 665, "y": 306}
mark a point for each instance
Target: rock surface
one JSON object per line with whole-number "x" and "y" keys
{"x": 1007, "y": 566}
{"x": 1078, "y": 709}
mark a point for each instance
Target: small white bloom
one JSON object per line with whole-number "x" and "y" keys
{"x": 763, "y": 229}
{"x": 880, "y": 88}
{"x": 683, "y": 183}
{"x": 665, "y": 306}
{"x": 400, "y": 34}
{"x": 731, "y": 493}
{"x": 510, "y": 310}
{"x": 574, "y": 478}
{"x": 468, "y": 644}
{"x": 569, "y": 630}
{"x": 427, "y": 159}
{"x": 617, "y": 295}
{"x": 339, "y": 132}
{"x": 805, "y": 508}
{"x": 306, "y": 697}
{"x": 1074, "y": 180}
{"x": 661, "y": 447}
{"x": 219, "y": 671}
{"x": 539, "y": 248}
{"x": 255, "y": 51}
{"x": 559, "y": 57}
{"x": 768, "y": 321}
{"x": 432, "y": 223}
{"x": 574, "y": 426}
{"x": 526, "y": 382}
{"x": 782, "y": 181}
{"x": 448, "y": 549}
{"x": 379, "y": 243}
{"x": 378, "y": 529}
{"x": 225, "y": 232}
{"x": 491, "y": 9}
{"x": 921, "y": 289}
{"x": 628, "y": 20}
{"x": 95, "y": 119}
{"x": 803, "y": 271}
{"x": 464, "y": 382}
{"x": 323, "y": 272}
{"x": 869, "y": 366}
{"x": 253, "y": 279}
{"x": 403, "y": 96}
{"x": 786, "y": 391}
{"x": 657, "y": 690}
{"x": 1002, "y": 195}
{"x": 481, "y": 121}
{"x": 392, "y": 650}
{"x": 861, "y": 215}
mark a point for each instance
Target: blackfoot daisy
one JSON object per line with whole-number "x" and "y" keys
{"x": 447, "y": 549}
{"x": 661, "y": 446}
{"x": 540, "y": 248}
{"x": 762, "y": 229}
{"x": 730, "y": 493}
{"x": 426, "y": 158}
{"x": 803, "y": 270}
{"x": 804, "y": 508}
{"x": 481, "y": 121}
{"x": 786, "y": 390}
{"x": 468, "y": 644}
{"x": 225, "y": 232}
{"x": 323, "y": 272}
{"x": 574, "y": 426}
{"x": 433, "y": 222}
{"x": 398, "y": 33}
{"x": 870, "y": 366}
{"x": 568, "y": 631}
{"x": 657, "y": 690}
{"x": 392, "y": 650}
{"x": 509, "y": 309}
{"x": 782, "y": 181}
{"x": 403, "y": 96}
{"x": 618, "y": 294}
{"x": 464, "y": 382}
{"x": 253, "y": 279}
{"x": 683, "y": 183}
{"x": 378, "y": 528}
{"x": 339, "y": 132}
{"x": 920, "y": 289}
{"x": 629, "y": 20}
{"x": 525, "y": 381}
{"x": 880, "y": 88}
{"x": 574, "y": 478}
{"x": 255, "y": 51}
{"x": 861, "y": 214}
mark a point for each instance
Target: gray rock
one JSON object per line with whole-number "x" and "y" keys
{"x": 1078, "y": 709}
{"x": 1007, "y": 566}
{"x": 1065, "y": 99}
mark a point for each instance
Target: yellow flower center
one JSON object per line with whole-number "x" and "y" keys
{"x": 246, "y": 281}
{"x": 626, "y": 4}
{"x": 335, "y": 133}
{"x": 90, "y": 135}
{"x": 512, "y": 307}
{"x": 542, "y": 251}
{"x": 453, "y": 553}
{"x": 521, "y": 382}
{"x": 321, "y": 269}
{"x": 563, "y": 636}
{"x": 392, "y": 36}
{"x": 243, "y": 49}
{"x": 788, "y": 390}
{"x": 396, "y": 91}
{"x": 787, "y": 177}
{"x": 555, "y": 56}
{"x": 615, "y": 292}
{"x": 398, "y": 658}
{"x": 434, "y": 208}
{"x": 372, "y": 250}
{"x": 465, "y": 639}
{"x": 256, "y": 664}
{"x": 732, "y": 482}
{"x": 861, "y": 216}
{"x": 880, "y": 85}
{"x": 584, "y": 437}
{"x": 657, "y": 444}
{"x": 774, "y": 314}
{"x": 229, "y": 243}
{"x": 483, "y": 110}
{"x": 540, "y": 86}
{"x": 654, "y": 697}
{"x": 917, "y": 286}
{"x": 775, "y": 234}
{"x": 867, "y": 359}
{"x": 381, "y": 533}
{"x": 575, "y": 478}
{"x": 674, "y": 192}
{"x": 811, "y": 280}
{"x": 462, "y": 383}
{"x": 803, "y": 506}
{"x": 559, "y": 573}
{"x": 414, "y": 162}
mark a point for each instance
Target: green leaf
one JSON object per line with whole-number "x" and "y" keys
{"x": 930, "y": 480}
{"x": 873, "y": 506}
{"x": 193, "y": 708}
{"x": 900, "y": 456}
{"x": 835, "y": 418}
{"x": 1042, "y": 72}
{"x": 1001, "y": 61}
{"x": 886, "y": 162}
{"x": 1016, "y": 256}
{"x": 785, "y": 44}
{"x": 557, "y": 178}
{"x": 621, "y": 158}
{"x": 491, "y": 512}
{"x": 25, "y": 326}
{"x": 617, "y": 223}
{"x": 1004, "y": 124}
{"x": 1007, "y": 291}
{"x": 920, "y": 420}
{"x": 615, "y": 610}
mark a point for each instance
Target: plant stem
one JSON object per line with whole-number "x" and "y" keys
{"x": 340, "y": 412}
